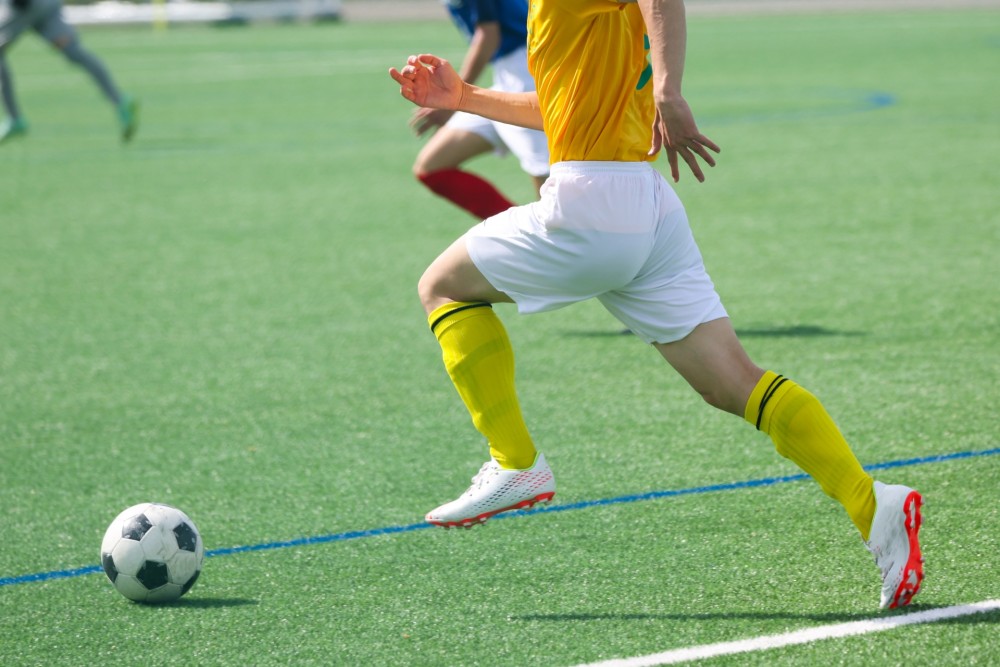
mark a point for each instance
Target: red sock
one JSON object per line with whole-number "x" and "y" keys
{"x": 474, "y": 194}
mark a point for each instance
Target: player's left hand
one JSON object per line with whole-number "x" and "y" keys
{"x": 675, "y": 130}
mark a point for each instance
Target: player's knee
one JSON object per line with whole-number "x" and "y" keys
{"x": 68, "y": 45}
{"x": 434, "y": 290}
{"x": 428, "y": 293}
{"x": 431, "y": 175}
{"x": 421, "y": 166}
{"x": 72, "y": 51}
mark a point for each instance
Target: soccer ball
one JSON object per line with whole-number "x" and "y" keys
{"x": 152, "y": 553}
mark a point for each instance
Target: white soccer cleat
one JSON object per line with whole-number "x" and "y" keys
{"x": 893, "y": 541}
{"x": 494, "y": 490}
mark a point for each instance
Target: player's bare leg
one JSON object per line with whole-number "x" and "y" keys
{"x": 479, "y": 359}
{"x": 713, "y": 361}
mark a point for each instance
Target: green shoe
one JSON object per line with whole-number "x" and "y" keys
{"x": 11, "y": 128}
{"x": 128, "y": 117}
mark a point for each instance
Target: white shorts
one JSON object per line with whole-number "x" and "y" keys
{"x": 510, "y": 74}
{"x": 611, "y": 230}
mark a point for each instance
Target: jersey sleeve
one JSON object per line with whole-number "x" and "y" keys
{"x": 487, "y": 11}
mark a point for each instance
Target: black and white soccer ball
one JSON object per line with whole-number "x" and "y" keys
{"x": 152, "y": 553}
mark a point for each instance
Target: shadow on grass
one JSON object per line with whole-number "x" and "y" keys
{"x": 982, "y": 617}
{"x": 794, "y": 331}
{"x": 207, "y": 603}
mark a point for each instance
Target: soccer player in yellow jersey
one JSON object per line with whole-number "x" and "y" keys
{"x": 609, "y": 226}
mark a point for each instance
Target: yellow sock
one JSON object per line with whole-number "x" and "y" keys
{"x": 803, "y": 432}
{"x": 480, "y": 362}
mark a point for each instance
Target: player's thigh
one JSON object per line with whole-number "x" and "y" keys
{"x": 712, "y": 360}
{"x": 453, "y": 276}
{"x": 450, "y": 147}
{"x": 51, "y": 25}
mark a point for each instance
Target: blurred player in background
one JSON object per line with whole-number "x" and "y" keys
{"x": 496, "y": 30}
{"x": 45, "y": 18}
{"x": 609, "y": 226}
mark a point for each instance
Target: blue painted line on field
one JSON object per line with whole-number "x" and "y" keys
{"x": 832, "y": 103}
{"x": 619, "y": 500}
{"x": 749, "y": 484}
{"x": 49, "y": 576}
{"x": 321, "y": 539}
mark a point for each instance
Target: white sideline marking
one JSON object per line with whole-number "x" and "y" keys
{"x": 798, "y": 637}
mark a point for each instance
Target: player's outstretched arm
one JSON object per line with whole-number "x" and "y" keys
{"x": 429, "y": 81}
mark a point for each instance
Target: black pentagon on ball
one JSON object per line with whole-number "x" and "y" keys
{"x": 108, "y": 563}
{"x": 152, "y": 574}
{"x": 186, "y": 536}
{"x": 190, "y": 582}
{"x": 136, "y": 527}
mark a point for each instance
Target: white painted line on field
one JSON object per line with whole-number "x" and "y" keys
{"x": 798, "y": 637}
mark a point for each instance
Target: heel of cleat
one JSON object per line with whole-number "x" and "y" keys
{"x": 913, "y": 570}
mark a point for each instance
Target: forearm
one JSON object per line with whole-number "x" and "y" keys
{"x": 674, "y": 127}
{"x": 429, "y": 81}
{"x": 519, "y": 109}
{"x": 485, "y": 42}
{"x": 666, "y": 27}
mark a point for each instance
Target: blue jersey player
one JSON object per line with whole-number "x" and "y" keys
{"x": 497, "y": 35}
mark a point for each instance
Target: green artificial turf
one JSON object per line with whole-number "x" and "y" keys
{"x": 222, "y": 316}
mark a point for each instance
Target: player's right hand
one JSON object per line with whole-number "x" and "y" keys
{"x": 429, "y": 81}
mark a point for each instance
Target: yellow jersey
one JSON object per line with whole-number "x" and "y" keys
{"x": 590, "y": 62}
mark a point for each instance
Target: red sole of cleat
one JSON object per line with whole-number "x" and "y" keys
{"x": 913, "y": 572}
{"x": 482, "y": 518}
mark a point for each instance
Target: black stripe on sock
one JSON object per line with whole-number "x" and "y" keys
{"x": 771, "y": 388}
{"x": 458, "y": 310}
